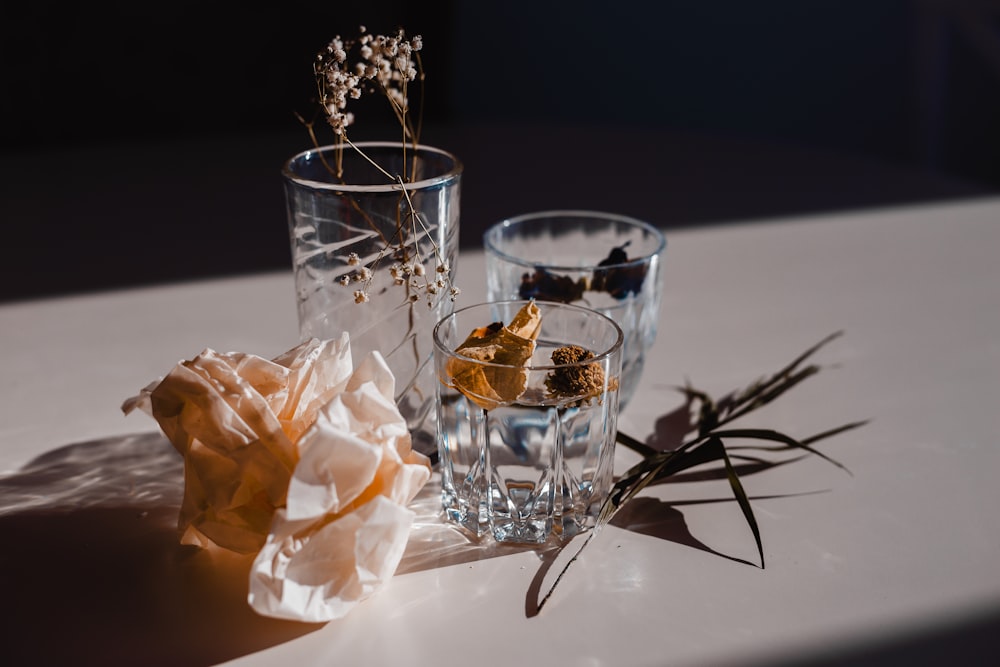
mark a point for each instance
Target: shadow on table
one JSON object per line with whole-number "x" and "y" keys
{"x": 92, "y": 570}
{"x": 93, "y": 573}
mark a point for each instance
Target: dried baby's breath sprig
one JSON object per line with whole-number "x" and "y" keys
{"x": 345, "y": 70}
{"x": 706, "y": 444}
{"x": 384, "y": 64}
{"x": 413, "y": 226}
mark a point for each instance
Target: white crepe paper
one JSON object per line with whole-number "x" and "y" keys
{"x": 301, "y": 460}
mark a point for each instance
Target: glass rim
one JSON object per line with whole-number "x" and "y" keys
{"x": 616, "y": 346}
{"x": 489, "y": 243}
{"x": 449, "y": 175}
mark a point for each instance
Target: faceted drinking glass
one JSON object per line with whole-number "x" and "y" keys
{"x": 605, "y": 261}
{"x": 526, "y": 450}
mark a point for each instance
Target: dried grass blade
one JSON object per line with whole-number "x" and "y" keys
{"x": 636, "y": 446}
{"x": 808, "y": 353}
{"x": 833, "y": 431}
{"x": 779, "y": 382}
{"x": 715, "y": 443}
{"x": 775, "y": 436}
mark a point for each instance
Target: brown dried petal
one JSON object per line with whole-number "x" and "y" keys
{"x": 512, "y": 345}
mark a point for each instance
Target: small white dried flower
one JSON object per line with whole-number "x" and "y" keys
{"x": 454, "y": 292}
{"x": 385, "y": 65}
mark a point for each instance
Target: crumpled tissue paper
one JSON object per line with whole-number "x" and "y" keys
{"x": 303, "y": 460}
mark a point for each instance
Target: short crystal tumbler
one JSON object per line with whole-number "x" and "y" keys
{"x": 527, "y": 409}
{"x": 605, "y": 261}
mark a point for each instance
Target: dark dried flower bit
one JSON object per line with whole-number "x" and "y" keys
{"x": 610, "y": 276}
{"x": 544, "y": 286}
{"x": 573, "y": 379}
{"x": 622, "y": 281}
{"x": 616, "y": 256}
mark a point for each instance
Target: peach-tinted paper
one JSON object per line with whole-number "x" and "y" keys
{"x": 234, "y": 417}
{"x": 300, "y": 460}
{"x": 346, "y": 523}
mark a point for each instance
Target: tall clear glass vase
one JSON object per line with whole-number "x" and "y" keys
{"x": 376, "y": 261}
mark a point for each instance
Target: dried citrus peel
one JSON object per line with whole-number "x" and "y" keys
{"x": 510, "y": 347}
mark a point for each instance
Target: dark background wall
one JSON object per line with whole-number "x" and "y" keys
{"x": 168, "y": 124}
{"x": 111, "y": 71}
{"x": 906, "y": 81}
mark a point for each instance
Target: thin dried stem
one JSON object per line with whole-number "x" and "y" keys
{"x": 386, "y": 66}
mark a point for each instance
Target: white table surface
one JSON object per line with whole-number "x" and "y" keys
{"x": 904, "y": 550}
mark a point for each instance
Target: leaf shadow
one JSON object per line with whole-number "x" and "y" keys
{"x": 670, "y": 429}
{"x": 656, "y": 518}
{"x": 662, "y": 519}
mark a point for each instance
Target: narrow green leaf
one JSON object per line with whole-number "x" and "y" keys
{"x": 691, "y": 458}
{"x": 775, "y": 389}
{"x": 779, "y": 382}
{"x": 808, "y": 353}
{"x": 636, "y": 446}
{"x": 775, "y": 436}
{"x": 627, "y": 487}
{"x": 741, "y": 496}
{"x": 833, "y": 431}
